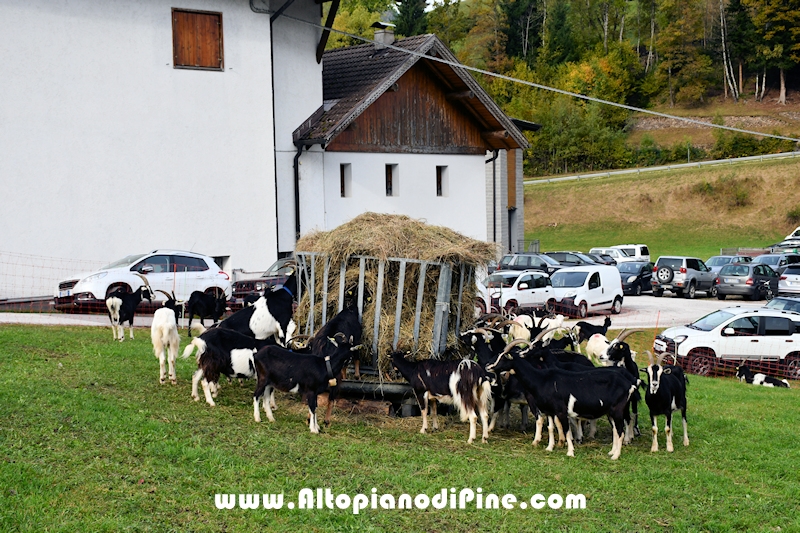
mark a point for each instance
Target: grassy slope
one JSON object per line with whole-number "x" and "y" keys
{"x": 661, "y": 210}
{"x": 91, "y": 442}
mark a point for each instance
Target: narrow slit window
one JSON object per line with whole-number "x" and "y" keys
{"x": 344, "y": 180}
{"x": 441, "y": 181}
{"x": 197, "y": 39}
{"x": 392, "y": 181}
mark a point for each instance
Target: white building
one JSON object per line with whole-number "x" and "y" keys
{"x": 131, "y": 125}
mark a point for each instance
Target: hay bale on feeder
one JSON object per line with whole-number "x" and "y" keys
{"x": 382, "y": 237}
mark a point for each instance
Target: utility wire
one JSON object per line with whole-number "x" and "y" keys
{"x": 540, "y": 86}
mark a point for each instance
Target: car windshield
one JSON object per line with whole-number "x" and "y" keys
{"x": 767, "y": 259}
{"x": 568, "y": 279}
{"x": 629, "y": 268}
{"x": 125, "y": 261}
{"x": 586, "y": 258}
{"x": 278, "y": 268}
{"x": 792, "y": 270}
{"x": 549, "y": 260}
{"x": 784, "y": 304}
{"x": 718, "y": 261}
{"x": 501, "y": 279}
{"x": 710, "y": 321}
{"x": 506, "y": 259}
{"x": 734, "y": 270}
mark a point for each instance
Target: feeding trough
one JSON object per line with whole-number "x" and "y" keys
{"x": 414, "y": 285}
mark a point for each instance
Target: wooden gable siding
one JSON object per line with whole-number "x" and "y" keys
{"x": 415, "y": 118}
{"x": 511, "y": 158}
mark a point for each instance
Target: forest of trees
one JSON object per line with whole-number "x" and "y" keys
{"x": 643, "y": 53}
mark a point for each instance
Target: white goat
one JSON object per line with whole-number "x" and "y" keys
{"x": 551, "y": 324}
{"x": 596, "y": 346}
{"x": 164, "y": 334}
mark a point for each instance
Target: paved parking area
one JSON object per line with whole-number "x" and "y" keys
{"x": 637, "y": 312}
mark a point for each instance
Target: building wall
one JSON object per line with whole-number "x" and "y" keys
{"x": 496, "y": 195}
{"x": 107, "y": 150}
{"x": 462, "y": 208}
{"x": 298, "y": 93}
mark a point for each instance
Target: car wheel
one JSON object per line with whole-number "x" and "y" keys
{"x": 583, "y": 310}
{"x": 669, "y": 359}
{"x": 117, "y": 286}
{"x": 216, "y": 292}
{"x": 721, "y": 296}
{"x": 701, "y": 362}
{"x": 665, "y": 274}
{"x": 755, "y": 296}
{"x": 480, "y": 306}
{"x": 638, "y": 290}
{"x": 691, "y": 292}
{"x": 658, "y": 293}
{"x": 510, "y": 305}
{"x": 616, "y": 307}
{"x": 550, "y": 306}
{"x": 793, "y": 367}
{"x": 712, "y": 292}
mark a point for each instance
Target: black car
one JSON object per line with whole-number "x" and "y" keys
{"x": 636, "y": 276}
{"x": 527, "y": 261}
{"x": 568, "y": 259}
{"x": 275, "y": 275}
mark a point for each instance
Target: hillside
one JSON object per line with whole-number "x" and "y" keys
{"x": 690, "y": 212}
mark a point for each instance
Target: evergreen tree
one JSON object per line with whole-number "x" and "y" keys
{"x": 523, "y": 27}
{"x": 411, "y": 18}
{"x": 448, "y": 20}
{"x": 559, "y": 43}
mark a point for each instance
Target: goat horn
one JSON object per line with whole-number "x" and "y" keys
{"x": 625, "y": 332}
{"x": 165, "y": 293}
{"x": 650, "y": 357}
{"x": 513, "y": 344}
{"x": 147, "y": 283}
{"x": 660, "y": 358}
{"x": 541, "y": 334}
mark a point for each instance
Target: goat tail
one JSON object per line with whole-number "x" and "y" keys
{"x": 114, "y": 304}
{"x": 198, "y": 343}
{"x": 787, "y": 384}
{"x": 198, "y": 328}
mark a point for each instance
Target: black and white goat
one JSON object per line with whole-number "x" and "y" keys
{"x": 461, "y": 383}
{"x": 122, "y": 307}
{"x": 225, "y": 352}
{"x": 172, "y": 303}
{"x": 584, "y": 330}
{"x": 166, "y": 341}
{"x": 666, "y": 392}
{"x": 270, "y": 316}
{"x": 205, "y": 306}
{"x": 618, "y": 353}
{"x": 744, "y": 373}
{"x": 562, "y": 394}
{"x": 307, "y": 374}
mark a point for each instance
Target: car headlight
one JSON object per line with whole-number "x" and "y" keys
{"x": 570, "y": 294}
{"x": 95, "y": 277}
{"x": 631, "y": 279}
{"x": 680, "y": 338}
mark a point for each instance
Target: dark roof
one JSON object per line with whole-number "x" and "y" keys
{"x": 354, "y": 77}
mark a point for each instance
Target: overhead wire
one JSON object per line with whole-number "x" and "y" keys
{"x": 540, "y": 86}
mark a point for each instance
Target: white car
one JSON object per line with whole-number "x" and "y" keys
{"x": 171, "y": 271}
{"x": 587, "y": 289}
{"x": 507, "y": 289}
{"x": 619, "y": 255}
{"x": 769, "y": 337}
{"x": 789, "y": 282}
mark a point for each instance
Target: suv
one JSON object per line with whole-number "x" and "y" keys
{"x": 778, "y": 262}
{"x": 684, "y": 276}
{"x": 528, "y": 261}
{"x": 760, "y": 335}
{"x": 276, "y": 275}
{"x": 510, "y": 289}
{"x": 174, "y": 272}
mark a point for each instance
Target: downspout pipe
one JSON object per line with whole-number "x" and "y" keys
{"x": 296, "y": 166}
{"x": 493, "y": 161}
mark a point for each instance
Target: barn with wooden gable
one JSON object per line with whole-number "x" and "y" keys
{"x": 400, "y": 132}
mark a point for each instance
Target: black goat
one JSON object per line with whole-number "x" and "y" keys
{"x": 619, "y": 354}
{"x": 744, "y": 373}
{"x": 666, "y": 392}
{"x": 307, "y": 374}
{"x": 562, "y": 394}
{"x": 122, "y": 306}
{"x": 172, "y": 303}
{"x": 464, "y": 384}
{"x": 205, "y": 306}
{"x": 584, "y": 330}
{"x": 270, "y": 316}
{"x": 221, "y": 352}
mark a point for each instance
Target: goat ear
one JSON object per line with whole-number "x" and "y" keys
{"x": 333, "y": 341}
{"x": 668, "y": 370}
{"x": 509, "y": 356}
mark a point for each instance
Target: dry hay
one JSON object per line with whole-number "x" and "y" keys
{"x": 394, "y": 236}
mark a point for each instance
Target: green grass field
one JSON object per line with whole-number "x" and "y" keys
{"x": 91, "y": 442}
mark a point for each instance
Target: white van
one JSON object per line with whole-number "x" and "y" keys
{"x": 587, "y": 289}
{"x": 639, "y": 252}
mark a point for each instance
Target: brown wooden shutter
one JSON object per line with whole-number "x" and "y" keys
{"x": 197, "y": 39}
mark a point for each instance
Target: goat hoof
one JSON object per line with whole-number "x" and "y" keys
{"x": 484, "y": 440}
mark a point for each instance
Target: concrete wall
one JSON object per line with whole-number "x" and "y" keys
{"x": 462, "y": 208}
{"x": 107, "y": 150}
